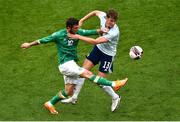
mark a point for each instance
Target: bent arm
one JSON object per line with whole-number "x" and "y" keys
{"x": 91, "y": 40}
{"x": 89, "y": 15}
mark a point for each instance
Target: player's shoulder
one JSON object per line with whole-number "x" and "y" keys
{"x": 60, "y": 32}
{"x": 114, "y": 30}
{"x": 81, "y": 31}
{"x": 100, "y": 14}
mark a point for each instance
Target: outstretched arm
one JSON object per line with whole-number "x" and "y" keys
{"x": 29, "y": 44}
{"x": 91, "y": 14}
{"x": 44, "y": 40}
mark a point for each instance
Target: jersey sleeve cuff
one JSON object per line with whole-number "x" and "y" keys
{"x": 39, "y": 41}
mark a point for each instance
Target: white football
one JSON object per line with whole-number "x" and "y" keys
{"x": 136, "y": 52}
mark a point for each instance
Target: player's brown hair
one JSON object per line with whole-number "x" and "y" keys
{"x": 111, "y": 13}
{"x": 71, "y": 22}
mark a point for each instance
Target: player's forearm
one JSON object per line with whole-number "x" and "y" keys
{"x": 93, "y": 13}
{"x": 27, "y": 45}
{"x": 34, "y": 43}
{"x": 87, "y": 39}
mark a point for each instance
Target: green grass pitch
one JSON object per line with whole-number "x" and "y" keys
{"x": 30, "y": 77}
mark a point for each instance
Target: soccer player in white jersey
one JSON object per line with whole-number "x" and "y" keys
{"x": 102, "y": 53}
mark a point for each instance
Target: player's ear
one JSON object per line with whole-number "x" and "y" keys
{"x": 68, "y": 29}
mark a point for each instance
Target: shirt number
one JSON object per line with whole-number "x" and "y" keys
{"x": 106, "y": 65}
{"x": 70, "y": 42}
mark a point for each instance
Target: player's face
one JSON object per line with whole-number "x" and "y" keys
{"x": 110, "y": 22}
{"x": 73, "y": 30}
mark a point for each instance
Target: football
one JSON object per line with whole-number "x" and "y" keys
{"x": 136, "y": 52}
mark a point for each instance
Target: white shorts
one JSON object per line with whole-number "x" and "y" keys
{"x": 71, "y": 72}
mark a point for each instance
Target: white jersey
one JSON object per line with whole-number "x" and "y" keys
{"x": 109, "y": 48}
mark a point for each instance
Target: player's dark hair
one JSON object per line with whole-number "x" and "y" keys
{"x": 112, "y": 14}
{"x": 71, "y": 22}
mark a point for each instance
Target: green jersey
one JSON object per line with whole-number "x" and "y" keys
{"x": 67, "y": 47}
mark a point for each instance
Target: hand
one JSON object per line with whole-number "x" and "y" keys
{"x": 25, "y": 45}
{"x": 102, "y": 30}
{"x": 73, "y": 36}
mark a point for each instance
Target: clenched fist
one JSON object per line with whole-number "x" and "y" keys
{"x": 25, "y": 45}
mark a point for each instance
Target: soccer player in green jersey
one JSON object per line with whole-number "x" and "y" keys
{"x": 67, "y": 55}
